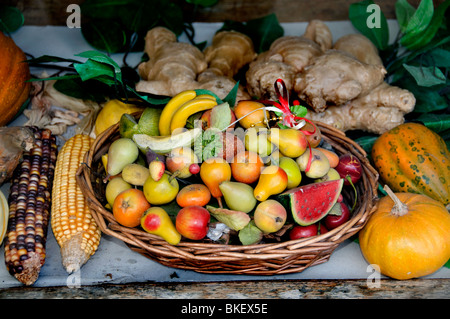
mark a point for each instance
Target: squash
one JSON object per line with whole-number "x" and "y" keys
{"x": 412, "y": 158}
{"x": 4, "y": 216}
{"x": 14, "y": 72}
{"x": 408, "y": 235}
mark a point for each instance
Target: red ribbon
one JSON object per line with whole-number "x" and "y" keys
{"x": 289, "y": 119}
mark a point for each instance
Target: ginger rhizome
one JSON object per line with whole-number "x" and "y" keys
{"x": 176, "y": 66}
{"x": 343, "y": 84}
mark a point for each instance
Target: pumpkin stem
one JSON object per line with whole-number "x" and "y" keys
{"x": 399, "y": 208}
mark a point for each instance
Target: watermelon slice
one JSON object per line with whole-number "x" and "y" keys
{"x": 310, "y": 203}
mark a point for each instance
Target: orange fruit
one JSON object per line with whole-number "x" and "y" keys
{"x": 129, "y": 207}
{"x": 194, "y": 194}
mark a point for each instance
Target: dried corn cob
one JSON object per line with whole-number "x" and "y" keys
{"x": 29, "y": 208}
{"x": 74, "y": 227}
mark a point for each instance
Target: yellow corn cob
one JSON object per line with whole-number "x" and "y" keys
{"x": 73, "y": 226}
{"x": 29, "y": 208}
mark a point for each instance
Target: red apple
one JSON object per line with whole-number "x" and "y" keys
{"x": 349, "y": 167}
{"x": 322, "y": 229}
{"x": 333, "y": 221}
{"x": 192, "y": 222}
{"x": 303, "y": 231}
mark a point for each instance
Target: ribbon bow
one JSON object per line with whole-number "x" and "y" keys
{"x": 289, "y": 119}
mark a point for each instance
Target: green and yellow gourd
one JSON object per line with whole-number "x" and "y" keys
{"x": 412, "y": 158}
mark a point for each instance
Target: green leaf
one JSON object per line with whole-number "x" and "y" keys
{"x": 105, "y": 9}
{"x": 171, "y": 17}
{"x": 92, "y": 69}
{"x": 102, "y": 58}
{"x": 141, "y": 16}
{"x": 89, "y": 90}
{"x": 231, "y": 96}
{"x": 440, "y": 57}
{"x": 250, "y": 234}
{"x": 49, "y": 59}
{"x": 221, "y": 116}
{"x": 11, "y": 19}
{"x": 371, "y": 22}
{"x": 205, "y": 91}
{"x": 420, "y": 19}
{"x": 427, "y": 99}
{"x": 403, "y": 11}
{"x": 104, "y": 35}
{"x": 366, "y": 142}
{"x": 426, "y": 76}
{"x": 436, "y": 122}
{"x": 264, "y": 31}
{"x": 415, "y": 41}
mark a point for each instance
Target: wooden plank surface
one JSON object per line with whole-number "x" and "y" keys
{"x": 292, "y": 289}
{"x": 51, "y": 12}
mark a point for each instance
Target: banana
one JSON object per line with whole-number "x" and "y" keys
{"x": 164, "y": 144}
{"x": 207, "y": 96}
{"x": 170, "y": 109}
{"x": 187, "y": 109}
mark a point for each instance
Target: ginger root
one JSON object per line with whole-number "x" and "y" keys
{"x": 229, "y": 52}
{"x": 336, "y": 78}
{"x": 172, "y": 66}
{"x": 286, "y": 57}
{"x": 176, "y": 66}
{"x": 377, "y": 112}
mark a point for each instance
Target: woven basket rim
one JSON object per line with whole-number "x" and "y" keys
{"x": 207, "y": 257}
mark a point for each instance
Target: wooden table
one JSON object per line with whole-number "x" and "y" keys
{"x": 292, "y": 289}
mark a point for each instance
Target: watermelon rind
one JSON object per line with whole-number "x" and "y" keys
{"x": 312, "y": 202}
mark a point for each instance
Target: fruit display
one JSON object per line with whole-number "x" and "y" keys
{"x": 226, "y": 159}
{"x": 262, "y": 187}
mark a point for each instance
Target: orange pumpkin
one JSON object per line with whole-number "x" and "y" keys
{"x": 14, "y": 73}
{"x": 408, "y": 236}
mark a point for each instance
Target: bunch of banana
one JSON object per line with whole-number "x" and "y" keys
{"x": 180, "y": 107}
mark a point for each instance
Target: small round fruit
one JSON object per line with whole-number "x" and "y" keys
{"x": 270, "y": 216}
{"x": 193, "y": 194}
{"x": 303, "y": 231}
{"x": 246, "y": 167}
{"x": 246, "y": 112}
{"x": 349, "y": 167}
{"x": 129, "y": 207}
{"x": 192, "y": 222}
{"x": 161, "y": 192}
{"x": 114, "y": 187}
{"x": 213, "y": 171}
{"x": 333, "y": 221}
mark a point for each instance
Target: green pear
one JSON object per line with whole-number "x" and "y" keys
{"x": 121, "y": 152}
{"x": 255, "y": 140}
{"x": 292, "y": 170}
{"x": 238, "y": 196}
{"x": 114, "y": 187}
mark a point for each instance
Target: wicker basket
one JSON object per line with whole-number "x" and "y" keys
{"x": 290, "y": 256}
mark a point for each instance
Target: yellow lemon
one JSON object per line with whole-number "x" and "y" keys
{"x": 111, "y": 113}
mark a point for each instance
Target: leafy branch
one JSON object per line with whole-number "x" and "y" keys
{"x": 418, "y": 59}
